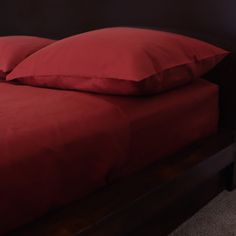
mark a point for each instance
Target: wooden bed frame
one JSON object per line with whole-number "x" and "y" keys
{"x": 159, "y": 198}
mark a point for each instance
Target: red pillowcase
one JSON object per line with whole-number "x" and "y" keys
{"x": 122, "y": 60}
{"x": 14, "y": 49}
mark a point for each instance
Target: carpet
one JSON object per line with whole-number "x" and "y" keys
{"x": 218, "y": 218}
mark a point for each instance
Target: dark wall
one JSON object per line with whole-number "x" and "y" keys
{"x": 59, "y": 18}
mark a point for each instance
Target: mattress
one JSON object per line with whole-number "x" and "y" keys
{"x": 58, "y": 146}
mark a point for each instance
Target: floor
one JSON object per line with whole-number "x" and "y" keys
{"x": 218, "y": 218}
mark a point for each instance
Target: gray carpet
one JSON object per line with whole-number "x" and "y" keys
{"x": 218, "y": 218}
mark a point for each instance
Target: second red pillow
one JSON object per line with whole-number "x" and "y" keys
{"x": 14, "y": 49}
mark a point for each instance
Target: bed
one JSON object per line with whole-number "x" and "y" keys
{"x": 129, "y": 194}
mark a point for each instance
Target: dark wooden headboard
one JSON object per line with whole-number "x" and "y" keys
{"x": 210, "y": 20}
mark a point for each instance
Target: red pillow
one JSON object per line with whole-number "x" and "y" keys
{"x": 120, "y": 60}
{"x": 14, "y": 49}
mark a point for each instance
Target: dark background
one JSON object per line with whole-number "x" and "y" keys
{"x": 214, "y": 20}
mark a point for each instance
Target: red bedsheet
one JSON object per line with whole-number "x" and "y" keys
{"x": 57, "y": 146}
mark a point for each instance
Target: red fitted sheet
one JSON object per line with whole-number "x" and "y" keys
{"x": 57, "y": 146}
